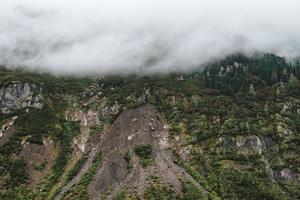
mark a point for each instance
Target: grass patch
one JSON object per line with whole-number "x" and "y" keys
{"x": 79, "y": 191}
{"x": 144, "y": 152}
{"x": 74, "y": 171}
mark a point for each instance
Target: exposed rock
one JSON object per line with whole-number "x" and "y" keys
{"x": 283, "y": 175}
{"x": 19, "y": 96}
{"x": 244, "y": 144}
{"x": 284, "y": 108}
{"x": 180, "y": 78}
{"x": 185, "y": 153}
{"x": 147, "y": 92}
{"x": 284, "y": 132}
{"x": 87, "y": 120}
{"x": 113, "y": 110}
{"x": 7, "y": 130}
{"x": 7, "y": 125}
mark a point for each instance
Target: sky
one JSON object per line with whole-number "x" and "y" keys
{"x": 138, "y": 36}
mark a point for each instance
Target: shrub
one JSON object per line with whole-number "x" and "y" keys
{"x": 144, "y": 151}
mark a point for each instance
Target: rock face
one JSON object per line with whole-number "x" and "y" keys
{"x": 18, "y": 96}
{"x": 244, "y": 144}
{"x": 283, "y": 175}
{"x": 7, "y": 130}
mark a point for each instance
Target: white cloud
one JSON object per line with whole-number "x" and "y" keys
{"x": 101, "y": 36}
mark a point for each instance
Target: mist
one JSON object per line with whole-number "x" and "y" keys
{"x": 141, "y": 36}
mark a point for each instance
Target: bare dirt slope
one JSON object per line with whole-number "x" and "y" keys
{"x": 116, "y": 174}
{"x": 139, "y": 126}
{"x": 39, "y": 159}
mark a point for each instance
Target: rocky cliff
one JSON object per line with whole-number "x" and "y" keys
{"x": 17, "y": 96}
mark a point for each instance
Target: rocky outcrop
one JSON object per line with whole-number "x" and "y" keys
{"x": 19, "y": 96}
{"x": 283, "y": 175}
{"x": 7, "y": 130}
{"x": 284, "y": 132}
{"x": 244, "y": 144}
{"x": 113, "y": 110}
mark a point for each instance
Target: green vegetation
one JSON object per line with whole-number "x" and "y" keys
{"x": 191, "y": 192}
{"x": 79, "y": 191}
{"x": 127, "y": 158}
{"x": 76, "y": 168}
{"x": 238, "y": 73}
{"x": 33, "y": 126}
{"x": 36, "y": 124}
{"x": 22, "y": 192}
{"x": 237, "y": 124}
{"x": 251, "y": 185}
{"x": 69, "y": 130}
{"x": 144, "y": 151}
{"x": 40, "y": 166}
{"x": 157, "y": 192}
{"x": 97, "y": 129}
{"x": 123, "y": 195}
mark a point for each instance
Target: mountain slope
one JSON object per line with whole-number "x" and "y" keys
{"x": 231, "y": 132}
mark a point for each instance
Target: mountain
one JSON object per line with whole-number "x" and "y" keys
{"x": 231, "y": 131}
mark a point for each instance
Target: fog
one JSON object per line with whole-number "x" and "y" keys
{"x": 125, "y": 36}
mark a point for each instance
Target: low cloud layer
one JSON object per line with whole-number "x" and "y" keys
{"x": 124, "y": 36}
